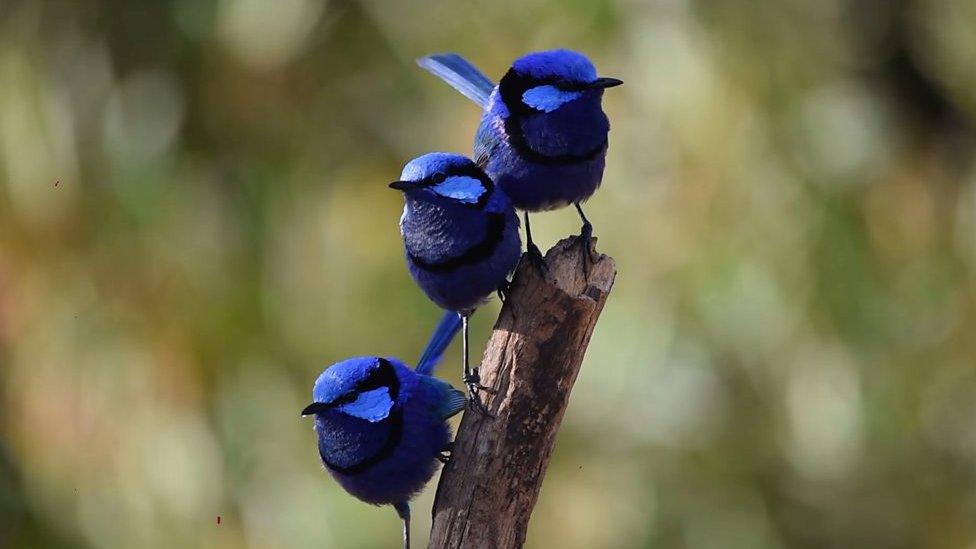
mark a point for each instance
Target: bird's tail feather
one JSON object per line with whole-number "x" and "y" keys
{"x": 448, "y": 327}
{"x": 460, "y": 74}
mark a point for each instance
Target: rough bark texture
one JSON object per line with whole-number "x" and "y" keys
{"x": 489, "y": 488}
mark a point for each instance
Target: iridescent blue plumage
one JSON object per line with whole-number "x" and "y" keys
{"x": 460, "y": 235}
{"x": 543, "y": 135}
{"x": 381, "y": 426}
{"x": 460, "y": 74}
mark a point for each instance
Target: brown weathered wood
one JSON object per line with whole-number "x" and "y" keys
{"x": 489, "y": 488}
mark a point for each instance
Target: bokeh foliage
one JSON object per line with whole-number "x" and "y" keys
{"x": 194, "y": 221}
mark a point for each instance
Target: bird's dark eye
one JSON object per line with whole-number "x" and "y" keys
{"x": 345, "y": 399}
{"x": 434, "y": 179}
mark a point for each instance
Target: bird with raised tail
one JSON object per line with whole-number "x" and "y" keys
{"x": 543, "y": 136}
{"x": 382, "y": 426}
{"x": 461, "y": 239}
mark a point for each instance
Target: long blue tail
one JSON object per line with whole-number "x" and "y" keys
{"x": 460, "y": 74}
{"x": 448, "y": 327}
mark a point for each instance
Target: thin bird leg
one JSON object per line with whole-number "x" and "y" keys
{"x": 471, "y": 377}
{"x": 535, "y": 256}
{"x": 586, "y": 233}
{"x": 403, "y": 509}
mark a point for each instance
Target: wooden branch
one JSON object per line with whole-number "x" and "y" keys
{"x": 489, "y": 488}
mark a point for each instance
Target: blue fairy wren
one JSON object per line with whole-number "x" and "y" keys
{"x": 461, "y": 238}
{"x": 382, "y": 427}
{"x": 543, "y": 134}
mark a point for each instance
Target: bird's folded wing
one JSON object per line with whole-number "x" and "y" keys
{"x": 454, "y": 403}
{"x": 448, "y": 401}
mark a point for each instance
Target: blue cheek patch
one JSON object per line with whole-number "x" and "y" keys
{"x": 548, "y": 98}
{"x": 372, "y": 405}
{"x": 461, "y": 188}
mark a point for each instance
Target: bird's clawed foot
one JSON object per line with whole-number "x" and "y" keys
{"x": 586, "y": 235}
{"x": 445, "y": 454}
{"x": 504, "y": 290}
{"x": 473, "y": 382}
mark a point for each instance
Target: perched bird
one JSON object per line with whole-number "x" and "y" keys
{"x": 382, "y": 427}
{"x": 461, "y": 238}
{"x": 543, "y": 135}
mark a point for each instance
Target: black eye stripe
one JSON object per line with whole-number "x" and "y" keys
{"x": 384, "y": 376}
{"x": 513, "y": 85}
{"x": 468, "y": 170}
{"x": 558, "y": 83}
{"x": 571, "y": 86}
{"x": 511, "y": 88}
{"x": 471, "y": 170}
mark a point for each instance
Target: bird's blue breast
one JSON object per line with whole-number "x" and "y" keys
{"x": 459, "y": 256}
{"x": 437, "y": 232}
{"x": 463, "y": 284}
{"x": 533, "y": 183}
{"x": 574, "y": 133}
{"x": 350, "y": 444}
{"x": 388, "y": 461}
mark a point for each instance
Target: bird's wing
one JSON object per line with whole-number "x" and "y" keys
{"x": 446, "y": 330}
{"x": 454, "y": 403}
{"x": 486, "y": 139}
{"x": 447, "y": 401}
{"x": 460, "y": 74}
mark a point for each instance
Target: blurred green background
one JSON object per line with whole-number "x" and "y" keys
{"x": 194, "y": 221}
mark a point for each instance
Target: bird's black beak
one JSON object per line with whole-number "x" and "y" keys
{"x": 403, "y": 185}
{"x": 315, "y": 408}
{"x": 601, "y": 83}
